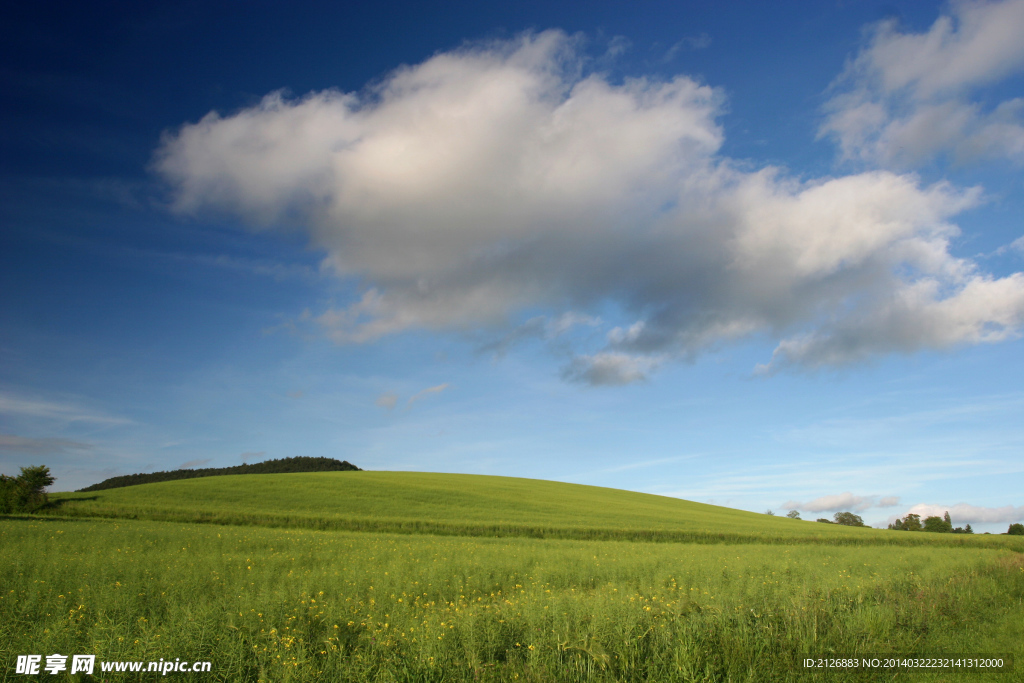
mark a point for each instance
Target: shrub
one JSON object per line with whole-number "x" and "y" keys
{"x": 1016, "y": 529}
{"x": 26, "y": 492}
{"x": 848, "y": 519}
{"x": 937, "y": 525}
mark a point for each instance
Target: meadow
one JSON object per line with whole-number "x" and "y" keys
{"x": 303, "y": 604}
{"x": 461, "y": 505}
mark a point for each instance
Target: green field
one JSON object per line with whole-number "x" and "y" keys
{"x": 489, "y": 579}
{"x": 461, "y": 505}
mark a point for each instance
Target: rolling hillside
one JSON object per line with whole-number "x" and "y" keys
{"x": 460, "y": 504}
{"x": 471, "y": 589}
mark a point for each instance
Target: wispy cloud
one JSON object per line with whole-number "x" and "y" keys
{"x": 40, "y": 446}
{"x": 1016, "y": 246}
{"x": 68, "y": 412}
{"x": 698, "y": 42}
{"x": 899, "y": 421}
{"x": 426, "y": 392}
{"x": 906, "y": 97}
{"x": 611, "y": 368}
{"x": 388, "y": 400}
{"x": 192, "y": 464}
{"x": 647, "y": 463}
{"x": 913, "y": 470}
{"x": 246, "y": 457}
{"x": 261, "y": 267}
{"x": 543, "y": 327}
{"x": 278, "y": 270}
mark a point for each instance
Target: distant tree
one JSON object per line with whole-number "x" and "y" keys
{"x": 947, "y": 520}
{"x": 968, "y": 529}
{"x": 912, "y": 522}
{"x": 769, "y": 513}
{"x": 1016, "y": 530}
{"x": 27, "y": 491}
{"x": 793, "y": 514}
{"x": 897, "y": 525}
{"x": 937, "y": 525}
{"x": 825, "y": 521}
{"x": 848, "y": 519}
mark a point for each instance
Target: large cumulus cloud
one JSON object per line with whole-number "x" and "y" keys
{"x": 502, "y": 179}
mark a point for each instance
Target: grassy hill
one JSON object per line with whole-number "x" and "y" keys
{"x": 461, "y": 504}
{"x": 491, "y": 579}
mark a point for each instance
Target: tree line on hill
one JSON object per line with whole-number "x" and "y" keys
{"x": 844, "y": 518}
{"x": 912, "y": 522}
{"x": 281, "y": 466}
{"x": 942, "y": 525}
{"x": 27, "y": 491}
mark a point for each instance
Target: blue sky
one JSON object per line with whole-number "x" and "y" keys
{"x": 762, "y": 255}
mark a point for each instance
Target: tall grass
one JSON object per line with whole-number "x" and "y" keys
{"x": 283, "y": 605}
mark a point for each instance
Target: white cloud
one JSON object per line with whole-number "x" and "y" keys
{"x": 842, "y": 501}
{"x": 499, "y": 179}
{"x": 905, "y": 97}
{"x": 914, "y": 317}
{"x": 962, "y": 513}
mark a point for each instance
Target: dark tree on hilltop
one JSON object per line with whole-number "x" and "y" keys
{"x": 1016, "y": 529}
{"x": 938, "y": 525}
{"x": 848, "y": 519}
{"x": 282, "y": 466}
{"x": 27, "y": 491}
